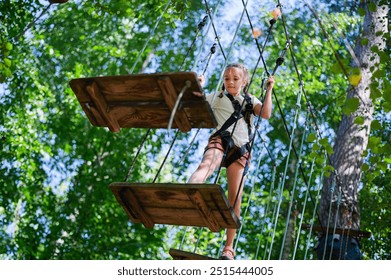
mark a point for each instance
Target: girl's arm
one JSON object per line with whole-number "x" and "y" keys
{"x": 267, "y": 105}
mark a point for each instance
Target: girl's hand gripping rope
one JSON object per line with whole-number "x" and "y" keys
{"x": 201, "y": 80}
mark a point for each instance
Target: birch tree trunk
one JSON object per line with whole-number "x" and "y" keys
{"x": 339, "y": 202}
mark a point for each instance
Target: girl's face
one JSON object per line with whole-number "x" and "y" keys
{"x": 234, "y": 80}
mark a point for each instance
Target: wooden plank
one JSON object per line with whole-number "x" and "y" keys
{"x": 203, "y": 209}
{"x": 102, "y": 107}
{"x": 170, "y": 96}
{"x": 182, "y": 255}
{"x": 131, "y": 202}
{"x": 143, "y": 101}
{"x": 203, "y": 205}
{"x": 347, "y": 232}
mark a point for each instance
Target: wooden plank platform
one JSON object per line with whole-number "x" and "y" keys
{"x": 347, "y": 232}
{"x": 202, "y": 205}
{"x": 143, "y": 101}
{"x": 182, "y": 255}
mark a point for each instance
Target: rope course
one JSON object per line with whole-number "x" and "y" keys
{"x": 273, "y": 202}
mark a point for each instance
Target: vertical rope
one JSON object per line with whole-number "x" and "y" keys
{"x": 280, "y": 195}
{"x": 293, "y": 189}
{"x": 304, "y": 208}
{"x": 165, "y": 158}
{"x": 263, "y": 222}
{"x": 292, "y": 136}
{"x": 314, "y": 211}
{"x": 328, "y": 221}
{"x": 183, "y": 238}
{"x": 335, "y": 222}
{"x": 137, "y": 154}
{"x": 198, "y": 239}
{"x": 152, "y": 33}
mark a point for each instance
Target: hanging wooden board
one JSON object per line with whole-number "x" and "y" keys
{"x": 202, "y": 205}
{"x": 347, "y": 232}
{"x": 182, "y": 255}
{"x": 143, "y": 101}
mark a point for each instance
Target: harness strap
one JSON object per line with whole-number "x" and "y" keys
{"x": 237, "y": 114}
{"x": 234, "y": 152}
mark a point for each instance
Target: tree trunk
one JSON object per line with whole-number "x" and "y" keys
{"x": 339, "y": 203}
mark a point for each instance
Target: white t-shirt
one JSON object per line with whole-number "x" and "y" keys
{"x": 223, "y": 108}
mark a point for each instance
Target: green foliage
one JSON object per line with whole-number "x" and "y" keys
{"x": 374, "y": 198}
{"x": 55, "y": 167}
{"x": 351, "y": 106}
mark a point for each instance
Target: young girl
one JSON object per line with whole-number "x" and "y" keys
{"x": 236, "y": 79}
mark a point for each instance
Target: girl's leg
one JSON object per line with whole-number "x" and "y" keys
{"x": 210, "y": 162}
{"x": 234, "y": 175}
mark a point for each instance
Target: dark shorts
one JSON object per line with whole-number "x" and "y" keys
{"x": 217, "y": 143}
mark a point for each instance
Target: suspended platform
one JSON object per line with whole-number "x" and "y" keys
{"x": 144, "y": 101}
{"x": 182, "y": 255}
{"x": 202, "y": 205}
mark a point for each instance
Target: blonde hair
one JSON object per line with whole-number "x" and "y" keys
{"x": 245, "y": 74}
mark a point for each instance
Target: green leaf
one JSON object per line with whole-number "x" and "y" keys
{"x": 359, "y": 120}
{"x": 379, "y": 73}
{"x": 329, "y": 150}
{"x": 361, "y": 11}
{"x": 8, "y": 46}
{"x": 311, "y": 137}
{"x": 372, "y": 7}
{"x": 373, "y": 142}
{"x": 315, "y": 147}
{"x": 351, "y": 106}
{"x": 7, "y": 62}
{"x": 324, "y": 142}
{"x": 364, "y": 167}
{"x": 364, "y": 41}
{"x": 387, "y": 90}
{"x": 375, "y": 125}
{"x": 7, "y": 73}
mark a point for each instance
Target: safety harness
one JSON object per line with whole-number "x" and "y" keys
{"x": 234, "y": 152}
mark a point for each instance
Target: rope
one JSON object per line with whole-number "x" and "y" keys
{"x": 199, "y": 28}
{"x": 183, "y": 238}
{"x": 328, "y": 222}
{"x": 33, "y": 22}
{"x": 314, "y": 211}
{"x": 318, "y": 133}
{"x": 202, "y": 45}
{"x": 277, "y": 211}
{"x": 165, "y": 158}
{"x": 338, "y": 182}
{"x": 179, "y": 98}
{"x": 152, "y": 33}
{"x": 294, "y": 185}
{"x": 137, "y": 154}
{"x": 198, "y": 239}
{"x": 219, "y": 84}
{"x": 187, "y": 84}
{"x": 267, "y": 206}
{"x": 304, "y": 208}
{"x": 335, "y": 224}
{"x": 214, "y": 27}
{"x": 278, "y": 63}
{"x": 188, "y": 148}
